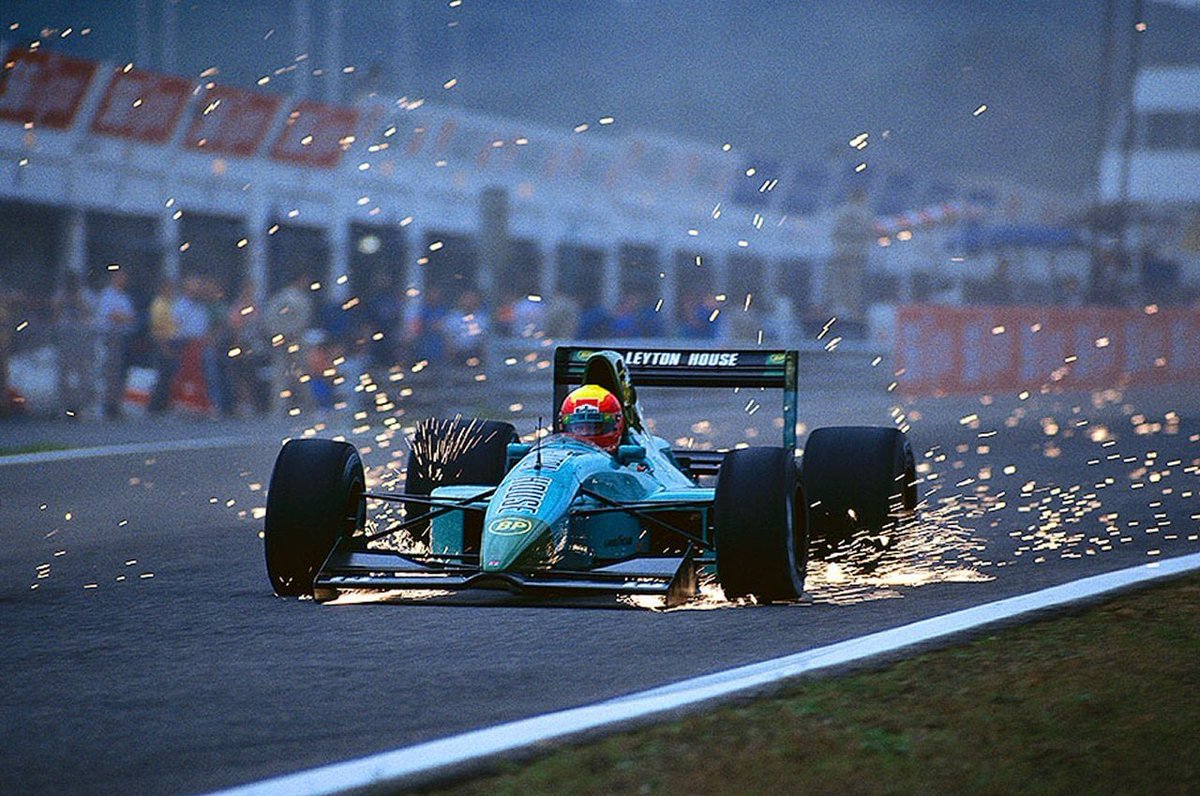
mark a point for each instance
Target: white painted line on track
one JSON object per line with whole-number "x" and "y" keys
{"x": 412, "y": 763}
{"x": 203, "y": 443}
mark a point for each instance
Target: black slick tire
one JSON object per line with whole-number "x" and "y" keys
{"x": 858, "y": 480}
{"x": 315, "y": 498}
{"x": 761, "y": 525}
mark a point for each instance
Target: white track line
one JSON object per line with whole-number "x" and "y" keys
{"x": 413, "y": 764}
{"x": 203, "y": 443}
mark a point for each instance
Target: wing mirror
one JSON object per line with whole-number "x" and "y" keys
{"x": 515, "y": 452}
{"x": 630, "y": 453}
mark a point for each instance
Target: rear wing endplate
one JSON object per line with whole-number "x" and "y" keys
{"x": 663, "y": 367}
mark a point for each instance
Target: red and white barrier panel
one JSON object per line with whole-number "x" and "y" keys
{"x": 141, "y": 106}
{"x": 230, "y": 121}
{"x": 44, "y": 89}
{"x": 945, "y": 350}
{"x": 315, "y": 135}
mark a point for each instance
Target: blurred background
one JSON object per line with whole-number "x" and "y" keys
{"x": 232, "y": 208}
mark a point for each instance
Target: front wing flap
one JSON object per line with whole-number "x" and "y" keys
{"x": 671, "y": 577}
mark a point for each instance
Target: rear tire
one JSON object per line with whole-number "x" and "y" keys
{"x": 457, "y": 451}
{"x": 859, "y": 480}
{"x": 760, "y": 519}
{"x": 315, "y": 499}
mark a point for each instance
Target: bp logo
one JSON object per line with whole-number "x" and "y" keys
{"x": 776, "y": 359}
{"x": 510, "y": 526}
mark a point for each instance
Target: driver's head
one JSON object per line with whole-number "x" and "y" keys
{"x": 593, "y": 414}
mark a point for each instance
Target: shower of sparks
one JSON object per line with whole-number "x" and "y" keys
{"x": 976, "y": 516}
{"x": 983, "y": 507}
{"x": 435, "y": 445}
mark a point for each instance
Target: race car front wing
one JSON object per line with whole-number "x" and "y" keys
{"x": 671, "y": 577}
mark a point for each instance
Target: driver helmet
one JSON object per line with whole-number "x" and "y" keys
{"x": 593, "y": 414}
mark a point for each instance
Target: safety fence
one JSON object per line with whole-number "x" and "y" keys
{"x": 949, "y": 350}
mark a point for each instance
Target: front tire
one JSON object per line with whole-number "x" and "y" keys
{"x": 859, "y": 480}
{"x": 760, "y": 518}
{"x": 315, "y": 499}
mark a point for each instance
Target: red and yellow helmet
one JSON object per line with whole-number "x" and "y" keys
{"x": 594, "y": 414}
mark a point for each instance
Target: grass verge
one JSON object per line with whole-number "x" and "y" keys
{"x": 1103, "y": 701}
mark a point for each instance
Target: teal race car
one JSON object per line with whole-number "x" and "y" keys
{"x": 482, "y": 510}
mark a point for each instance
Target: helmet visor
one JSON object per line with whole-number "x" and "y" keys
{"x": 593, "y": 424}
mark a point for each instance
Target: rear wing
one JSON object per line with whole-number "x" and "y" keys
{"x": 664, "y": 367}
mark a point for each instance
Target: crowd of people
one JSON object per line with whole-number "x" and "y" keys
{"x": 193, "y": 346}
{"x": 174, "y": 352}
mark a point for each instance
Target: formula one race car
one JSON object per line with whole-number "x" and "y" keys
{"x": 568, "y": 515}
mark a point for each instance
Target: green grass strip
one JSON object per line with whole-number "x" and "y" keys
{"x": 1103, "y": 701}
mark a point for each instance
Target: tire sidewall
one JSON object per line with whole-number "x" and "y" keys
{"x": 860, "y": 469}
{"x": 760, "y": 524}
{"x": 315, "y": 486}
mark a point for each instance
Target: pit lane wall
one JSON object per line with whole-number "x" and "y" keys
{"x": 941, "y": 350}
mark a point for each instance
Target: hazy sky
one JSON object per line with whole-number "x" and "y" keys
{"x": 793, "y": 80}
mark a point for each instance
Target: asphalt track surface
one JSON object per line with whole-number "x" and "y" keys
{"x": 152, "y": 657}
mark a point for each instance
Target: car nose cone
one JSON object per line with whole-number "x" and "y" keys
{"x": 516, "y": 542}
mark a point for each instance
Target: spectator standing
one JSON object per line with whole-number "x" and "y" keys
{"x": 636, "y": 317}
{"x": 319, "y": 356}
{"x": 528, "y": 317}
{"x": 425, "y": 326}
{"x": 337, "y": 323}
{"x": 647, "y": 320}
{"x": 562, "y": 317}
{"x": 595, "y": 322}
{"x": 503, "y": 318}
{"x": 191, "y": 318}
{"x": 703, "y": 319}
{"x": 716, "y": 323}
{"x": 216, "y": 347}
{"x": 74, "y": 312}
{"x": 846, "y": 270}
{"x": 781, "y": 322}
{"x": 289, "y": 315}
{"x": 114, "y": 323}
{"x": 246, "y": 339}
{"x": 383, "y": 306}
{"x": 623, "y": 319}
{"x": 164, "y": 332}
{"x": 744, "y": 324}
{"x": 692, "y": 324}
{"x": 1070, "y": 293}
{"x": 466, "y": 327}
{"x": 1001, "y": 289}
{"x": 1106, "y": 275}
